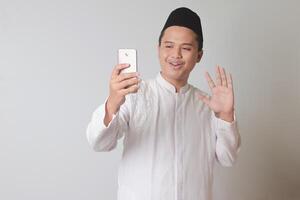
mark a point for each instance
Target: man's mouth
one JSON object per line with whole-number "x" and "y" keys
{"x": 176, "y": 65}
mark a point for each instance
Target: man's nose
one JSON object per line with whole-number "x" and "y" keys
{"x": 177, "y": 53}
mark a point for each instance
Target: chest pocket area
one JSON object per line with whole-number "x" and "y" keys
{"x": 142, "y": 112}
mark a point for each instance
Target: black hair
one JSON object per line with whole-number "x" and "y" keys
{"x": 200, "y": 44}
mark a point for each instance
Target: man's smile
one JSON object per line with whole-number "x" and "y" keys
{"x": 176, "y": 64}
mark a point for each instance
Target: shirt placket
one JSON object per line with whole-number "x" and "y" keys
{"x": 178, "y": 150}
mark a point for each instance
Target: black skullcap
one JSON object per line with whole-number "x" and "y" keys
{"x": 186, "y": 18}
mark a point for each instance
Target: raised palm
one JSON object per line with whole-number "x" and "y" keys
{"x": 222, "y": 99}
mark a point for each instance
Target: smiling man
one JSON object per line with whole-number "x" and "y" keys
{"x": 173, "y": 132}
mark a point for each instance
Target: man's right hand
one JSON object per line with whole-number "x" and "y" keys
{"x": 120, "y": 85}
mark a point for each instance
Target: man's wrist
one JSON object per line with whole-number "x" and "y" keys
{"x": 110, "y": 108}
{"x": 228, "y": 116}
{"x": 108, "y": 114}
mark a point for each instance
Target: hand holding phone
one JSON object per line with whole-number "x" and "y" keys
{"x": 124, "y": 80}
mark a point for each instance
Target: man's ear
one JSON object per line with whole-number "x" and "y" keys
{"x": 199, "y": 56}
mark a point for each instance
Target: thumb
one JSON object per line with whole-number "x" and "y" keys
{"x": 204, "y": 98}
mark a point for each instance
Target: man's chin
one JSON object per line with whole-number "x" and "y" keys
{"x": 178, "y": 77}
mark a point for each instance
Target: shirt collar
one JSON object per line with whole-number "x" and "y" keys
{"x": 165, "y": 84}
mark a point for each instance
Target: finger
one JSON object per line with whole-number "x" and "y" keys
{"x": 209, "y": 80}
{"x": 229, "y": 81}
{"x": 117, "y": 70}
{"x": 132, "y": 89}
{"x": 204, "y": 98}
{"x": 219, "y": 81}
{"x": 125, "y": 76}
{"x": 223, "y": 77}
{"x": 128, "y": 83}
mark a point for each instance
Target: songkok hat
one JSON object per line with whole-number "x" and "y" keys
{"x": 187, "y": 18}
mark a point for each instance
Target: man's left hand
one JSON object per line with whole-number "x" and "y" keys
{"x": 222, "y": 99}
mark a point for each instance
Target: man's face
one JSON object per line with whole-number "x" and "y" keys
{"x": 178, "y": 54}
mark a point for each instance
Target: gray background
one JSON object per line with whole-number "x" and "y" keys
{"x": 56, "y": 59}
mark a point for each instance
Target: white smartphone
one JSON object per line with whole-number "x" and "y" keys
{"x": 128, "y": 56}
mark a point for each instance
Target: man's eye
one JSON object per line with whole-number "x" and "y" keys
{"x": 168, "y": 46}
{"x": 188, "y": 49}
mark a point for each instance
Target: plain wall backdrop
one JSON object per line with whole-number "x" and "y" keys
{"x": 56, "y": 59}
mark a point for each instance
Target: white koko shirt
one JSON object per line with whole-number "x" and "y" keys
{"x": 171, "y": 142}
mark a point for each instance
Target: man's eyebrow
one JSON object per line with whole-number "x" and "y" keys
{"x": 190, "y": 44}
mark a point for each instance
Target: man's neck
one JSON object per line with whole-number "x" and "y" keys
{"x": 176, "y": 83}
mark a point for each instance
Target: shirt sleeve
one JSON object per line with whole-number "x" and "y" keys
{"x": 104, "y": 138}
{"x": 228, "y": 140}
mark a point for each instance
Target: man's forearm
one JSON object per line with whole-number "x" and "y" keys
{"x": 110, "y": 110}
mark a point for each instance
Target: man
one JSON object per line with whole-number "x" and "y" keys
{"x": 173, "y": 132}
